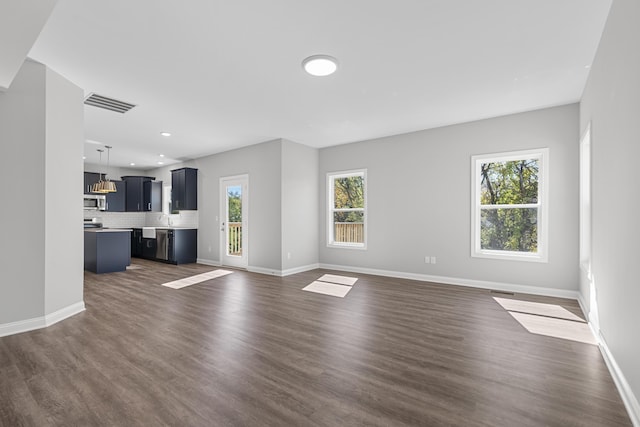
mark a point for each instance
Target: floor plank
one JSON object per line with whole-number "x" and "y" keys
{"x": 251, "y": 349}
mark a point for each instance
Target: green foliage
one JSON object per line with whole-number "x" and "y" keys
{"x": 349, "y": 194}
{"x": 235, "y": 204}
{"x": 509, "y": 183}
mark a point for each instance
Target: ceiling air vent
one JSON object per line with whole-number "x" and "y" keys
{"x": 108, "y": 103}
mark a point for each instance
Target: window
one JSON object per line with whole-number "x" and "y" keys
{"x": 347, "y": 213}
{"x": 509, "y": 218}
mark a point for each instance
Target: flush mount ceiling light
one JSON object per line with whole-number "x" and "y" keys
{"x": 320, "y": 65}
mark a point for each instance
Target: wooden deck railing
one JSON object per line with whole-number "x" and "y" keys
{"x": 349, "y": 232}
{"x": 235, "y": 238}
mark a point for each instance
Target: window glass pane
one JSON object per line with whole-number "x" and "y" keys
{"x": 509, "y": 229}
{"x": 348, "y": 192}
{"x": 234, "y": 219}
{"x": 507, "y": 183}
{"x": 348, "y": 227}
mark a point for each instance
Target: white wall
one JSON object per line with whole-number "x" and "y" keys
{"x": 419, "y": 199}
{"x": 611, "y": 101}
{"x": 114, "y": 173}
{"x": 262, "y": 162}
{"x": 41, "y": 124}
{"x": 63, "y": 238}
{"x": 300, "y": 210}
{"x": 22, "y": 141}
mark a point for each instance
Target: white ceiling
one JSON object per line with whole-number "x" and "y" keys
{"x": 224, "y": 74}
{"x": 20, "y": 23}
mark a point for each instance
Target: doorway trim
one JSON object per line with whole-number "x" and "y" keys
{"x": 234, "y": 261}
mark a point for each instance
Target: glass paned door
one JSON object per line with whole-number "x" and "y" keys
{"x": 234, "y": 216}
{"x": 234, "y": 220}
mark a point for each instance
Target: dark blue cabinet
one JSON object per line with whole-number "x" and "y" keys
{"x": 184, "y": 189}
{"x": 143, "y": 194}
{"x": 116, "y": 201}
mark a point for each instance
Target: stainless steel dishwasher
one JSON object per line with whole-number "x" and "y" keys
{"x": 162, "y": 242}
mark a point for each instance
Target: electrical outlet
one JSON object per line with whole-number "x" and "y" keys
{"x": 433, "y": 260}
{"x": 427, "y": 260}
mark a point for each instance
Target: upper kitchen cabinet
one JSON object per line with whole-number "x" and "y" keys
{"x": 90, "y": 178}
{"x": 184, "y": 189}
{"x": 143, "y": 194}
{"x": 115, "y": 202}
{"x": 152, "y": 196}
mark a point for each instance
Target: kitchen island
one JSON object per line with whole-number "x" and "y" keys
{"x": 107, "y": 250}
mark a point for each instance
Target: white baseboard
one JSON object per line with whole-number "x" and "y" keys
{"x": 262, "y": 270}
{"x": 483, "y": 284}
{"x": 626, "y": 393}
{"x": 301, "y": 269}
{"x": 40, "y": 322}
{"x": 22, "y": 326}
{"x": 64, "y": 313}
{"x": 208, "y": 262}
{"x": 283, "y": 273}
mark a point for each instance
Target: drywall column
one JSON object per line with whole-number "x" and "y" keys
{"x": 41, "y": 133}
{"x": 63, "y": 182}
{"x": 300, "y": 210}
{"x": 611, "y": 103}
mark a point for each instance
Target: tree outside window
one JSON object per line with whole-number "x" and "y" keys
{"x": 347, "y": 203}
{"x": 509, "y": 205}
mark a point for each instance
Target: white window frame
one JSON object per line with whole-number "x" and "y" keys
{"x": 542, "y": 205}
{"x": 331, "y": 176}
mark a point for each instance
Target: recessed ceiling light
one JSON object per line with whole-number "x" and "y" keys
{"x": 165, "y": 133}
{"x": 132, "y": 164}
{"x": 161, "y": 155}
{"x": 84, "y": 157}
{"x": 161, "y": 163}
{"x": 320, "y": 65}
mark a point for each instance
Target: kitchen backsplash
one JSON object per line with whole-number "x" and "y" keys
{"x": 182, "y": 219}
{"x": 144, "y": 219}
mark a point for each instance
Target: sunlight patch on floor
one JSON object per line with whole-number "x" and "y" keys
{"x": 198, "y": 278}
{"x": 541, "y": 309}
{"x": 551, "y": 320}
{"x": 338, "y": 280}
{"x": 328, "y": 289}
{"x": 558, "y": 328}
{"x": 333, "y": 285}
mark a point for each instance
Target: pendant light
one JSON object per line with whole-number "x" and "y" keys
{"x": 97, "y": 187}
{"x": 108, "y": 186}
{"x": 104, "y": 185}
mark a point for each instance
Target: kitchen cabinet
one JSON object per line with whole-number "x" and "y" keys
{"x": 149, "y": 248}
{"x": 106, "y": 250}
{"x": 90, "y": 178}
{"x": 115, "y": 202}
{"x": 143, "y": 194}
{"x": 183, "y": 245}
{"x": 152, "y": 196}
{"x": 184, "y": 189}
{"x": 136, "y": 242}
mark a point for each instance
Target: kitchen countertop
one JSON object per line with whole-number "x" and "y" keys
{"x": 107, "y": 230}
{"x": 167, "y": 227}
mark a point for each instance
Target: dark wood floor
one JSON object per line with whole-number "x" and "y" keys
{"x": 250, "y": 349}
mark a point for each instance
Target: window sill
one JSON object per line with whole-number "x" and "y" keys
{"x": 347, "y": 246}
{"x": 510, "y": 256}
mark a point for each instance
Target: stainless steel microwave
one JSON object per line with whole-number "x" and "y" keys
{"x": 95, "y": 202}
